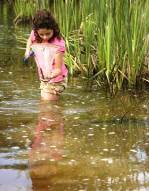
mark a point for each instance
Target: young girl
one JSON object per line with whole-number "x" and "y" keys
{"x": 45, "y": 39}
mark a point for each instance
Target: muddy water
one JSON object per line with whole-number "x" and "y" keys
{"x": 87, "y": 141}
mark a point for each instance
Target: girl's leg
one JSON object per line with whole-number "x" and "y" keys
{"x": 46, "y": 96}
{"x": 51, "y": 92}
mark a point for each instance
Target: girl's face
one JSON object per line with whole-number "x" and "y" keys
{"x": 45, "y": 34}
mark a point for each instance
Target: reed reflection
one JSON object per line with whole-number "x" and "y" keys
{"x": 47, "y": 146}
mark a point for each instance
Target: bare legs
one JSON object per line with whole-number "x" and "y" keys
{"x": 48, "y": 96}
{"x": 51, "y": 92}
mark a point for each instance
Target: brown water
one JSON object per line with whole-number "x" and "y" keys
{"x": 87, "y": 141}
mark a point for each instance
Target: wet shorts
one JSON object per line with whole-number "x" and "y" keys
{"x": 53, "y": 88}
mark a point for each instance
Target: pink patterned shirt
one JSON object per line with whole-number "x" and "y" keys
{"x": 44, "y": 57}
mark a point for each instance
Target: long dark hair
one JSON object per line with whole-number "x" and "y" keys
{"x": 44, "y": 19}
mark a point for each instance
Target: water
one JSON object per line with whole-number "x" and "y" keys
{"x": 87, "y": 141}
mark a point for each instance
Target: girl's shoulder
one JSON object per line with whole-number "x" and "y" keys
{"x": 60, "y": 43}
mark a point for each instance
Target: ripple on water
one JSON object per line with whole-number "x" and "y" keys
{"x": 27, "y": 106}
{"x": 13, "y": 179}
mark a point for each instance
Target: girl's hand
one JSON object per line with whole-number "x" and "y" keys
{"x": 45, "y": 80}
{"x": 27, "y": 55}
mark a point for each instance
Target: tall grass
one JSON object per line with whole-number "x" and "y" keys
{"x": 107, "y": 40}
{"x": 24, "y": 9}
{"x": 69, "y": 17}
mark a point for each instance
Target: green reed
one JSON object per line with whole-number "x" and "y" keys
{"x": 24, "y": 9}
{"x": 69, "y": 18}
{"x": 121, "y": 41}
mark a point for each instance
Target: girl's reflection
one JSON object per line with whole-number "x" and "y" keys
{"x": 47, "y": 145}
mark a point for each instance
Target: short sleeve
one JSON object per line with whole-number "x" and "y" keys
{"x": 61, "y": 45}
{"x": 61, "y": 49}
{"x": 32, "y": 36}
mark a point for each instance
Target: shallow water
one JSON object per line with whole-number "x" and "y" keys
{"x": 87, "y": 141}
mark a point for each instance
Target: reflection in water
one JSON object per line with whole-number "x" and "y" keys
{"x": 47, "y": 146}
{"x": 98, "y": 156}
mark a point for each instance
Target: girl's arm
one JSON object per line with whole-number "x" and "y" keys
{"x": 28, "y": 46}
{"x": 58, "y": 65}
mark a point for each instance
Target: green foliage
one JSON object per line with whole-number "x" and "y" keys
{"x": 24, "y": 9}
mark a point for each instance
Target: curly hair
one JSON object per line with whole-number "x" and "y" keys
{"x": 45, "y": 19}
